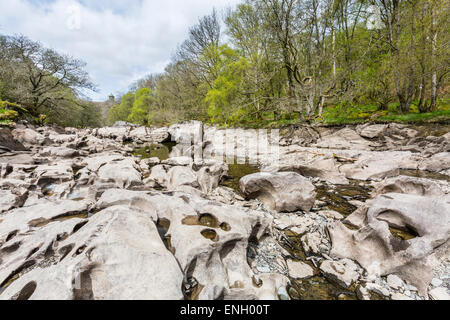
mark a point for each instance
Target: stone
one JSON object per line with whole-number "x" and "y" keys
{"x": 76, "y": 216}
{"x": 399, "y": 296}
{"x": 8, "y": 200}
{"x": 436, "y": 163}
{"x": 394, "y": 282}
{"x": 372, "y": 241}
{"x": 299, "y": 270}
{"x": 46, "y": 174}
{"x": 150, "y": 162}
{"x": 362, "y": 293}
{"x": 280, "y": 191}
{"x": 377, "y": 289}
{"x": 343, "y": 139}
{"x": 373, "y": 131}
{"x": 178, "y": 161}
{"x": 28, "y": 216}
{"x": 409, "y": 185}
{"x": 436, "y": 282}
{"x": 311, "y": 242}
{"x": 439, "y": 293}
{"x": 28, "y": 136}
{"x": 8, "y": 143}
{"x": 178, "y": 176}
{"x": 139, "y": 200}
{"x": 344, "y": 272}
{"x": 61, "y": 152}
{"x": 143, "y": 134}
{"x": 331, "y": 214}
{"x": 210, "y": 240}
{"x": 210, "y": 175}
{"x": 159, "y": 175}
{"x": 370, "y": 168}
{"x": 186, "y": 132}
{"x": 17, "y": 158}
{"x": 116, "y": 243}
{"x": 272, "y": 285}
{"x": 122, "y": 173}
{"x": 62, "y": 138}
{"x": 326, "y": 169}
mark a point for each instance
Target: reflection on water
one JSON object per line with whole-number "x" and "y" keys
{"x": 235, "y": 173}
{"x": 160, "y": 150}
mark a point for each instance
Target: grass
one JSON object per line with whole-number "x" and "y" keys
{"x": 354, "y": 114}
{"x": 370, "y": 113}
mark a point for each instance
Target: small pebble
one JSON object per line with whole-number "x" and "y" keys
{"x": 436, "y": 282}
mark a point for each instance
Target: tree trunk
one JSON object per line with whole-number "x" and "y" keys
{"x": 434, "y": 82}
{"x": 382, "y": 106}
{"x": 422, "y": 88}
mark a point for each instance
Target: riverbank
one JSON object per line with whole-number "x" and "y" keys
{"x": 356, "y": 212}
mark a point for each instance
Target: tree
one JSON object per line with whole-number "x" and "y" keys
{"x": 36, "y": 77}
{"x": 121, "y": 111}
{"x": 225, "y": 97}
{"x": 144, "y": 101}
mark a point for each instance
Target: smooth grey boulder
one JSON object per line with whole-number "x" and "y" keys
{"x": 61, "y": 152}
{"x": 8, "y": 200}
{"x": 188, "y": 132}
{"x": 123, "y": 173}
{"x": 378, "y": 165}
{"x": 326, "y": 169}
{"x": 158, "y": 175}
{"x": 116, "y": 254}
{"x": 29, "y": 216}
{"x": 210, "y": 174}
{"x": 28, "y": 136}
{"x": 280, "y": 191}
{"x": 149, "y": 135}
{"x": 436, "y": 163}
{"x": 179, "y": 176}
{"x": 409, "y": 185}
{"x": 8, "y": 143}
{"x": 343, "y": 139}
{"x": 371, "y": 131}
{"x": 210, "y": 239}
{"x": 380, "y": 252}
{"x": 139, "y": 200}
{"x": 299, "y": 270}
{"x": 345, "y": 272}
{"x": 178, "y": 161}
{"x": 62, "y": 138}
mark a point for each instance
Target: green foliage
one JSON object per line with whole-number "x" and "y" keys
{"x": 143, "y": 103}
{"x": 121, "y": 111}
{"x": 226, "y": 89}
{"x": 10, "y": 112}
{"x": 42, "y": 85}
{"x": 135, "y": 107}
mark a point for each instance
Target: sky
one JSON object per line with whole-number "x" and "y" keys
{"x": 120, "y": 40}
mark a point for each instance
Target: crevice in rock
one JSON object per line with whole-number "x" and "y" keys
{"x": 27, "y": 291}
{"x": 17, "y": 273}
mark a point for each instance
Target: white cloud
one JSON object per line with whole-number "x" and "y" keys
{"x": 121, "y": 41}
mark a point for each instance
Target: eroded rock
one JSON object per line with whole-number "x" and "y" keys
{"x": 280, "y": 191}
